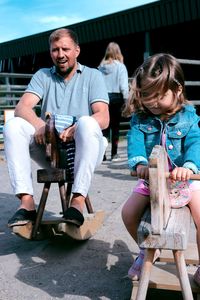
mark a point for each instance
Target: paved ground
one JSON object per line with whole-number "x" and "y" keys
{"x": 64, "y": 269}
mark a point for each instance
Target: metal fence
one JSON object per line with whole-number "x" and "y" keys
{"x": 12, "y": 86}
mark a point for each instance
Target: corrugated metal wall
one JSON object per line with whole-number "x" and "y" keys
{"x": 144, "y": 18}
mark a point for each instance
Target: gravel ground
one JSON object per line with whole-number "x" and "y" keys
{"x": 61, "y": 268}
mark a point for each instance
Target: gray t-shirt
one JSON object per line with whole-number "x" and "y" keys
{"x": 73, "y": 97}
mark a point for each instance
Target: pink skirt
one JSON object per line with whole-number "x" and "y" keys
{"x": 180, "y": 192}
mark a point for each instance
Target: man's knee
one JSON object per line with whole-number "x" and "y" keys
{"x": 16, "y": 126}
{"x": 87, "y": 125}
{"x": 11, "y": 127}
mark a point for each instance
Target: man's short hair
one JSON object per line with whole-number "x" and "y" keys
{"x": 63, "y": 32}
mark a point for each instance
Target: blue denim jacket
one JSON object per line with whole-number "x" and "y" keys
{"x": 182, "y": 139}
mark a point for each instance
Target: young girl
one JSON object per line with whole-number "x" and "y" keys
{"x": 161, "y": 115}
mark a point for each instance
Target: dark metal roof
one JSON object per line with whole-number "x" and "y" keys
{"x": 143, "y": 18}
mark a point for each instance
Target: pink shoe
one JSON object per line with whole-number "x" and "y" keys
{"x": 135, "y": 270}
{"x": 196, "y": 276}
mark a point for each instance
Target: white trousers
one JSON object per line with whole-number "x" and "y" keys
{"x": 20, "y": 148}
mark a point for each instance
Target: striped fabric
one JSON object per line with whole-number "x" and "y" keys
{"x": 66, "y": 159}
{"x": 63, "y": 122}
{"x": 66, "y": 150}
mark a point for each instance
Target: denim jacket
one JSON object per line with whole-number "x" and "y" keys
{"x": 182, "y": 139}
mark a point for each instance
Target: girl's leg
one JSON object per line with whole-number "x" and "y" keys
{"x": 131, "y": 214}
{"x": 136, "y": 268}
{"x": 194, "y": 206}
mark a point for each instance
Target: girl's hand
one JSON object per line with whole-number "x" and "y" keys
{"x": 142, "y": 172}
{"x": 180, "y": 174}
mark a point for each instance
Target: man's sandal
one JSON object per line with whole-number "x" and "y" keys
{"x": 22, "y": 217}
{"x": 73, "y": 216}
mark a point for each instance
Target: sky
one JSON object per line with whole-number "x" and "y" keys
{"x": 20, "y": 18}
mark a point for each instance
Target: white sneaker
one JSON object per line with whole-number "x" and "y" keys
{"x": 116, "y": 157}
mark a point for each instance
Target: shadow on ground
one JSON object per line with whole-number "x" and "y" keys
{"x": 61, "y": 267}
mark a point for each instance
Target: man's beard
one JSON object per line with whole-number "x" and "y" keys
{"x": 64, "y": 73}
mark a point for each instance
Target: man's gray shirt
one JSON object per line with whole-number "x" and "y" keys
{"x": 71, "y": 97}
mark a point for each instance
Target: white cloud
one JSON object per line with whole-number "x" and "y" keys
{"x": 59, "y": 20}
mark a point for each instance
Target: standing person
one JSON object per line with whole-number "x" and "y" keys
{"x": 116, "y": 79}
{"x": 161, "y": 115}
{"x": 68, "y": 88}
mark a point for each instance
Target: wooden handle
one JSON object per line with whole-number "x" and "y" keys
{"x": 192, "y": 176}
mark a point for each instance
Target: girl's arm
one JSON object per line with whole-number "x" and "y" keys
{"x": 136, "y": 146}
{"x": 192, "y": 148}
{"x": 142, "y": 171}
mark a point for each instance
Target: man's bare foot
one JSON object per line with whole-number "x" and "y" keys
{"x": 78, "y": 202}
{"x": 27, "y": 202}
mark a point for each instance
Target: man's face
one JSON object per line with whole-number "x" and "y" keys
{"x": 64, "y": 53}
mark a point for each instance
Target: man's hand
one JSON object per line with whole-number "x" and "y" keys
{"x": 40, "y": 135}
{"x": 67, "y": 135}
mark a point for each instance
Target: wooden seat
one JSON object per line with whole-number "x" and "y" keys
{"x": 165, "y": 228}
{"x": 56, "y": 174}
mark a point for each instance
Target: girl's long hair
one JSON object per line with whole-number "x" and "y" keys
{"x": 113, "y": 52}
{"x": 158, "y": 74}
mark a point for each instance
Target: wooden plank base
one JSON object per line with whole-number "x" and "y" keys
{"x": 91, "y": 224}
{"x": 164, "y": 277}
{"x": 23, "y": 231}
{"x": 164, "y": 273}
{"x": 51, "y": 227}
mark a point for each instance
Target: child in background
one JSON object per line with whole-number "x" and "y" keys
{"x": 161, "y": 116}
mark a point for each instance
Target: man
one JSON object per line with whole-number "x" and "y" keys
{"x": 68, "y": 88}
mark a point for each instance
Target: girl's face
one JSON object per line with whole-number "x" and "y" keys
{"x": 160, "y": 104}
